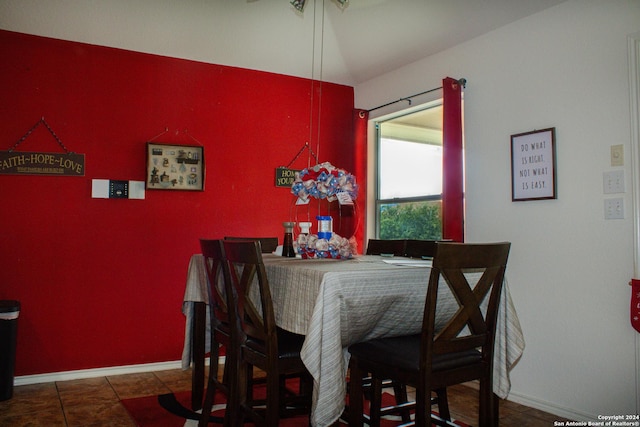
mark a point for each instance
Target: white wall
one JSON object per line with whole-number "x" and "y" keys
{"x": 565, "y": 67}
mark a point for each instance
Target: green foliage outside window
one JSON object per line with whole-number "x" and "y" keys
{"x": 417, "y": 220}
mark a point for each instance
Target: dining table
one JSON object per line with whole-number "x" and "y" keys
{"x": 337, "y": 302}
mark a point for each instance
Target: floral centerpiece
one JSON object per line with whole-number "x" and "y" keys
{"x": 310, "y": 246}
{"x": 324, "y": 181}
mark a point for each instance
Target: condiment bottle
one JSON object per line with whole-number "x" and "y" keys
{"x": 287, "y": 247}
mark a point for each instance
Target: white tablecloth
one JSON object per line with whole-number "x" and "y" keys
{"x": 336, "y": 303}
{"x": 196, "y": 290}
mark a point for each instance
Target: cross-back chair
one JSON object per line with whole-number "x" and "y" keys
{"x": 267, "y": 244}
{"x": 223, "y": 332}
{"x": 384, "y": 246}
{"x": 267, "y": 347}
{"x": 420, "y": 248}
{"x": 455, "y": 345}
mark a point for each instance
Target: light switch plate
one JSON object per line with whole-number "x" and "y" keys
{"x": 136, "y": 189}
{"x": 617, "y": 155}
{"x": 613, "y": 182}
{"x": 614, "y": 208}
{"x": 100, "y": 188}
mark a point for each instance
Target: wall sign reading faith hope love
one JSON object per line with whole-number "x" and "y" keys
{"x": 32, "y": 163}
{"x": 38, "y": 163}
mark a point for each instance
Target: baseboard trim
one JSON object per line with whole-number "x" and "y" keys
{"x": 562, "y": 412}
{"x": 96, "y": 372}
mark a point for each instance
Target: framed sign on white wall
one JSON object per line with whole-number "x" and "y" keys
{"x": 533, "y": 165}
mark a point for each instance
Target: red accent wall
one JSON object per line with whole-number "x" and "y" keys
{"x": 101, "y": 281}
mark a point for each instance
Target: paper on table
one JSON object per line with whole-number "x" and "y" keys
{"x": 410, "y": 262}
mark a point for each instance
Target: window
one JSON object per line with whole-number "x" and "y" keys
{"x": 409, "y": 192}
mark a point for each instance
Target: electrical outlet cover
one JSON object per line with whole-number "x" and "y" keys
{"x": 614, "y": 208}
{"x": 613, "y": 182}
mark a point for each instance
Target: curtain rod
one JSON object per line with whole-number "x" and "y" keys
{"x": 462, "y": 83}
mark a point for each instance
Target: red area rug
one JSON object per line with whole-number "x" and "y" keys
{"x": 172, "y": 410}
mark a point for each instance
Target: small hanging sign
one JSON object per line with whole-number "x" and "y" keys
{"x": 36, "y": 163}
{"x": 285, "y": 177}
{"x": 40, "y": 163}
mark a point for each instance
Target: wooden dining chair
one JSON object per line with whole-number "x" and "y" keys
{"x": 386, "y": 246}
{"x": 267, "y": 347}
{"x": 394, "y": 247}
{"x": 267, "y": 244}
{"x": 444, "y": 353}
{"x": 422, "y": 248}
{"x": 223, "y": 332}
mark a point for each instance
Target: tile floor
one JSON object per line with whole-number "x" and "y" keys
{"x": 95, "y": 402}
{"x": 91, "y": 402}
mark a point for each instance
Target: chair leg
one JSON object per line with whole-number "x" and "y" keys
{"x": 400, "y": 391}
{"x": 272, "y": 417}
{"x": 376, "y": 402}
{"x": 306, "y": 388}
{"x": 211, "y": 386}
{"x": 489, "y": 405}
{"x": 423, "y": 407}
{"x": 198, "y": 332}
{"x": 238, "y": 395}
{"x": 355, "y": 394}
{"x": 443, "y": 404}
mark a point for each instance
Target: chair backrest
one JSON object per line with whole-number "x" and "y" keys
{"x": 382, "y": 246}
{"x": 472, "y": 272}
{"x": 421, "y": 248}
{"x": 213, "y": 253}
{"x": 248, "y": 276}
{"x": 267, "y": 244}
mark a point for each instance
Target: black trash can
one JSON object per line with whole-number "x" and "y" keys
{"x": 9, "y": 312}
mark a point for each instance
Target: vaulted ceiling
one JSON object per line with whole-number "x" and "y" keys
{"x": 377, "y": 36}
{"x": 347, "y": 45}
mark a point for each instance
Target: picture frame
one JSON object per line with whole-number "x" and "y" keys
{"x": 175, "y": 167}
{"x": 533, "y": 165}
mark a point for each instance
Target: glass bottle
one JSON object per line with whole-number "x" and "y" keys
{"x": 287, "y": 247}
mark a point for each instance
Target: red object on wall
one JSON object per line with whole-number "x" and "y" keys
{"x": 361, "y": 122}
{"x": 101, "y": 281}
{"x": 635, "y": 304}
{"x": 453, "y": 162}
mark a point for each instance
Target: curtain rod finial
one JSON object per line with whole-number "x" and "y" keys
{"x": 463, "y": 82}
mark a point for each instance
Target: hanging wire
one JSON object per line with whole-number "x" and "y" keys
{"x": 304, "y": 147}
{"x": 320, "y": 77}
{"x": 313, "y": 67}
{"x": 166, "y": 129}
{"x": 34, "y": 127}
{"x": 311, "y": 101}
{"x": 186, "y": 132}
{"x": 177, "y": 132}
